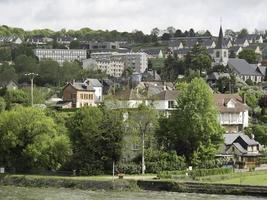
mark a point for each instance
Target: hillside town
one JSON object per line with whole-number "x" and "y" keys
{"x": 199, "y": 96}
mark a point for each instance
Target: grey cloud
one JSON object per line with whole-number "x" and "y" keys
{"x": 134, "y": 14}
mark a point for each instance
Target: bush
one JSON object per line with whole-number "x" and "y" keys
{"x": 249, "y": 82}
{"x": 128, "y": 168}
{"x": 157, "y": 161}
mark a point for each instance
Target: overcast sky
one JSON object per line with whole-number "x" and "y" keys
{"x": 127, "y": 15}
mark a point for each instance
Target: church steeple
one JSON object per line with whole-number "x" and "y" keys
{"x": 220, "y": 43}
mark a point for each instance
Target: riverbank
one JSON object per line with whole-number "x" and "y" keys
{"x": 107, "y": 184}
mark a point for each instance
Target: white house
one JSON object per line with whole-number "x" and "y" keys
{"x": 233, "y": 112}
{"x": 97, "y": 86}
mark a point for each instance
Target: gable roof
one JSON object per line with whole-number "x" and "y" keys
{"x": 242, "y": 67}
{"x": 221, "y": 101}
{"x": 166, "y": 95}
{"x": 240, "y": 41}
{"x": 80, "y": 86}
{"x": 93, "y": 82}
{"x": 232, "y": 137}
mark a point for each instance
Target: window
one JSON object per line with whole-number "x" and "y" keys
{"x": 81, "y": 96}
{"x": 217, "y": 54}
{"x": 170, "y": 104}
{"x": 225, "y": 54}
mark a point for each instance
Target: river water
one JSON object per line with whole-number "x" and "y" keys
{"x": 28, "y": 193}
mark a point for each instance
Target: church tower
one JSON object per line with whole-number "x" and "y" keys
{"x": 220, "y": 53}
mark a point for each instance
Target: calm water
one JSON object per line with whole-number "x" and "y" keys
{"x": 23, "y": 193}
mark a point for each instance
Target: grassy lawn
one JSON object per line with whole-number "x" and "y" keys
{"x": 96, "y": 178}
{"x": 260, "y": 179}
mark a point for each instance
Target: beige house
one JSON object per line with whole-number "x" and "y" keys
{"x": 79, "y": 94}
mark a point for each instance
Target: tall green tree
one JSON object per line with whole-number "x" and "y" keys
{"x": 143, "y": 121}
{"x": 198, "y": 59}
{"x": 97, "y": 139}
{"x": 29, "y": 139}
{"x": 194, "y": 122}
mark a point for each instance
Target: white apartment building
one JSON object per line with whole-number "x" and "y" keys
{"x": 137, "y": 61}
{"x": 112, "y": 67}
{"x": 61, "y": 55}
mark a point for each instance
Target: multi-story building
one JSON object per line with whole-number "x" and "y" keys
{"x": 61, "y": 55}
{"x": 79, "y": 94}
{"x": 112, "y": 67}
{"x": 137, "y": 61}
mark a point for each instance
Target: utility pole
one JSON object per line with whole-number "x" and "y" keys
{"x": 143, "y": 153}
{"x": 32, "y": 76}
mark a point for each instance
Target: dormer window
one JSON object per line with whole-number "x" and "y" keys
{"x": 230, "y": 104}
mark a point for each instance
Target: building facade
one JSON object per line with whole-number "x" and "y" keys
{"x": 61, "y": 55}
{"x": 137, "y": 61}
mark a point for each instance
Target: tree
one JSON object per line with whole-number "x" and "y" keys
{"x": 192, "y": 32}
{"x": 155, "y": 31}
{"x": 100, "y": 132}
{"x": 249, "y": 55}
{"x": 7, "y": 73}
{"x": 25, "y": 64}
{"x": 75, "y": 44}
{"x": 198, "y": 59}
{"x": 5, "y": 54}
{"x": 166, "y": 36}
{"x": 70, "y": 71}
{"x": 230, "y": 33}
{"x": 14, "y": 97}
{"x": 243, "y": 33}
{"x": 2, "y": 104}
{"x": 259, "y": 131}
{"x": 143, "y": 121}
{"x": 195, "y": 105}
{"x": 178, "y": 33}
{"x": 171, "y": 30}
{"x": 48, "y": 72}
{"x": 29, "y": 139}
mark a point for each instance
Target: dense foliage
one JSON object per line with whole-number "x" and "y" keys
{"x": 31, "y": 139}
{"x": 96, "y": 134}
{"x": 195, "y": 105}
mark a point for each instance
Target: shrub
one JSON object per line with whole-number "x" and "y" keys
{"x": 128, "y": 168}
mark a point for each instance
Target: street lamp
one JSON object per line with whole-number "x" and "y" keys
{"x": 32, "y": 76}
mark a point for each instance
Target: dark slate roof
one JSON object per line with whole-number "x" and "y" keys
{"x": 166, "y": 95}
{"x": 235, "y": 48}
{"x": 239, "y": 41}
{"x": 181, "y": 51}
{"x": 232, "y": 137}
{"x": 82, "y": 86}
{"x": 93, "y": 82}
{"x": 240, "y": 148}
{"x": 262, "y": 70}
{"x": 220, "y": 43}
{"x": 242, "y": 67}
{"x": 152, "y": 51}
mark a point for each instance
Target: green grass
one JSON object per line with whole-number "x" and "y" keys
{"x": 91, "y": 178}
{"x": 260, "y": 179}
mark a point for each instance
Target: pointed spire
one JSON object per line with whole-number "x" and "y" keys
{"x": 220, "y": 43}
